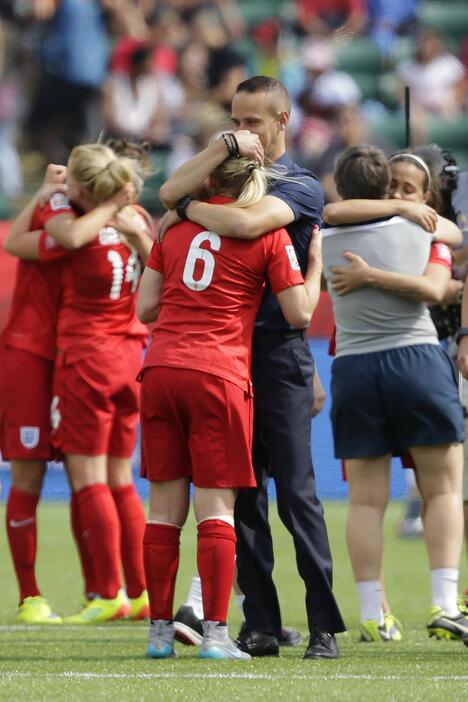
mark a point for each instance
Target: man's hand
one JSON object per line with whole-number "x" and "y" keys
{"x": 167, "y": 220}
{"x": 422, "y": 214}
{"x": 318, "y": 396}
{"x": 349, "y": 278}
{"x": 250, "y": 145}
{"x": 463, "y": 356}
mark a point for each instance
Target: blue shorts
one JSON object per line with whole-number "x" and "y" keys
{"x": 389, "y": 401}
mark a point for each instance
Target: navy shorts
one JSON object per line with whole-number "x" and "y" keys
{"x": 389, "y": 401}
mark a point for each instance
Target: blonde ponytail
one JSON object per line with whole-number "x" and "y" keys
{"x": 100, "y": 171}
{"x": 243, "y": 179}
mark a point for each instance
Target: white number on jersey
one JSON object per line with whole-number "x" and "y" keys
{"x": 197, "y": 254}
{"x": 132, "y": 272}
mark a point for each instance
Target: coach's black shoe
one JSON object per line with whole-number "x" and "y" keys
{"x": 257, "y": 643}
{"x": 289, "y": 637}
{"x": 321, "y": 645}
{"x": 188, "y": 628}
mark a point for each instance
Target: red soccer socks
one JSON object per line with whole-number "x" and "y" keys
{"x": 161, "y": 557}
{"x": 100, "y": 531}
{"x": 132, "y": 529}
{"x": 216, "y": 558}
{"x": 22, "y": 537}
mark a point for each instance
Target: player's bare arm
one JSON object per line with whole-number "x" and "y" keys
{"x": 355, "y": 211}
{"x": 298, "y": 303}
{"x": 190, "y": 177}
{"x": 447, "y": 232}
{"x": 135, "y": 230}
{"x": 430, "y": 287}
{"x": 242, "y": 222}
{"x": 149, "y": 296}
{"x": 20, "y": 241}
{"x": 73, "y": 232}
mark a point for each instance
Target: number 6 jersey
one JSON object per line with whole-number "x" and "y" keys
{"x": 212, "y": 290}
{"x": 100, "y": 281}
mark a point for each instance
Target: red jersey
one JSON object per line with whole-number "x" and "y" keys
{"x": 211, "y": 294}
{"x": 37, "y": 294}
{"x": 100, "y": 281}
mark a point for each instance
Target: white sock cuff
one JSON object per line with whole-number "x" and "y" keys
{"x": 220, "y": 517}
{"x": 158, "y": 523}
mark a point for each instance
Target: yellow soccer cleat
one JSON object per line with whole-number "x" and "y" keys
{"x": 139, "y": 607}
{"x": 100, "y": 610}
{"x": 442, "y": 626}
{"x": 36, "y": 610}
{"x": 390, "y": 630}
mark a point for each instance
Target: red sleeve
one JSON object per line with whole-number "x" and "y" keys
{"x": 155, "y": 259}
{"x": 283, "y": 267}
{"x": 58, "y": 204}
{"x": 441, "y": 254}
{"x": 49, "y": 250}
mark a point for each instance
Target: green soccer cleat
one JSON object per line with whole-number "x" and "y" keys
{"x": 442, "y": 626}
{"x": 462, "y": 601}
{"x": 36, "y": 610}
{"x": 100, "y": 610}
{"x": 139, "y": 607}
{"x": 390, "y": 630}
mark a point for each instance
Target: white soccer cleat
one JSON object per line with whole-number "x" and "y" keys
{"x": 217, "y": 645}
{"x": 161, "y": 639}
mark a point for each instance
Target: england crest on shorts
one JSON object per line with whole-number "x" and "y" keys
{"x": 29, "y": 436}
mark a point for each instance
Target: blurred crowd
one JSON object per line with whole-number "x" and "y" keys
{"x": 164, "y": 73}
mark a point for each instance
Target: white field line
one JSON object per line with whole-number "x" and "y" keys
{"x": 131, "y": 626}
{"x": 222, "y": 676}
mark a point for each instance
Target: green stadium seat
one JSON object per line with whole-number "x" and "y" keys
{"x": 359, "y": 56}
{"x": 255, "y": 11}
{"x": 389, "y": 129}
{"x": 389, "y": 88}
{"x": 149, "y": 198}
{"x": 6, "y": 209}
{"x": 449, "y": 18}
{"x": 368, "y": 83}
{"x": 449, "y": 133}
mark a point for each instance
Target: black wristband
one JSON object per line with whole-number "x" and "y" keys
{"x": 232, "y": 146}
{"x": 181, "y": 206}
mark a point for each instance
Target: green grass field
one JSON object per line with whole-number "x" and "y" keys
{"x": 108, "y": 662}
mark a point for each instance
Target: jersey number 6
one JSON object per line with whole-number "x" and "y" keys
{"x": 197, "y": 254}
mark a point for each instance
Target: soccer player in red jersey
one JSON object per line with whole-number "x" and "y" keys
{"x": 100, "y": 343}
{"x": 196, "y": 413}
{"x": 27, "y": 353}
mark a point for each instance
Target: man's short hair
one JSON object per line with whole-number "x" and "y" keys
{"x": 264, "y": 84}
{"x": 362, "y": 172}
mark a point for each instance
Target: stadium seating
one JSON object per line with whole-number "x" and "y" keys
{"x": 358, "y": 57}
{"x": 450, "y": 18}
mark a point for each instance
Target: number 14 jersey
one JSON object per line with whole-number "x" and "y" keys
{"x": 100, "y": 282}
{"x": 212, "y": 290}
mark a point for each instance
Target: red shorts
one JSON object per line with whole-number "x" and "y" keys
{"x": 195, "y": 425}
{"x": 25, "y": 395}
{"x": 96, "y": 400}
